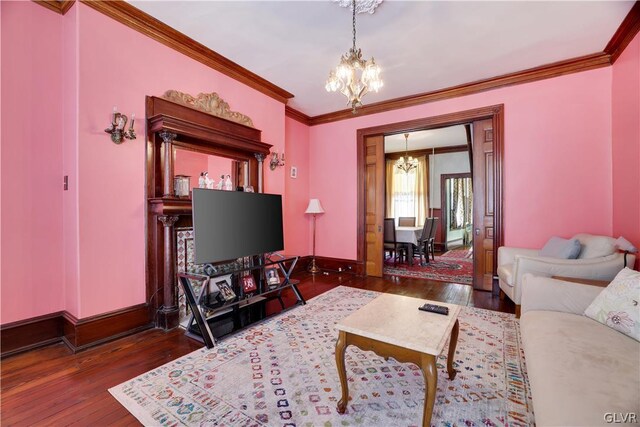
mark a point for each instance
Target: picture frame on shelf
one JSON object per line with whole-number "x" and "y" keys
{"x": 226, "y": 289}
{"x": 249, "y": 284}
{"x": 273, "y": 278}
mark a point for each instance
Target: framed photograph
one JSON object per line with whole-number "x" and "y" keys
{"x": 273, "y": 279}
{"x": 226, "y": 291}
{"x": 249, "y": 284}
{"x": 294, "y": 172}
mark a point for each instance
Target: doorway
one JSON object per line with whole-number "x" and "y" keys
{"x": 487, "y": 154}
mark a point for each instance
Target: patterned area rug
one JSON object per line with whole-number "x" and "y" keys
{"x": 463, "y": 252}
{"x": 443, "y": 269}
{"x": 282, "y": 372}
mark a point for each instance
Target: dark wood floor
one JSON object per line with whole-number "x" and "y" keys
{"x": 52, "y": 386}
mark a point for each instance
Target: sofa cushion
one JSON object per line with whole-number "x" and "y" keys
{"x": 557, "y": 247}
{"x": 617, "y": 305}
{"x": 578, "y": 369}
{"x": 595, "y": 246}
{"x": 505, "y": 273}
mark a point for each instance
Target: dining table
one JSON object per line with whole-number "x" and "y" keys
{"x": 410, "y": 236}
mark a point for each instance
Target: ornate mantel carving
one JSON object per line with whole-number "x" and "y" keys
{"x": 209, "y": 103}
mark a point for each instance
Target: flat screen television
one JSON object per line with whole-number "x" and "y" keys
{"x": 233, "y": 224}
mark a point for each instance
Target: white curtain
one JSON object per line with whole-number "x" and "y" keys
{"x": 406, "y": 193}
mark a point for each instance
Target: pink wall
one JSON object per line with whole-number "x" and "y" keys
{"x": 626, "y": 143}
{"x": 111, "y": 211}
{"x": 191, "y": 164}
{"x": 31, "y": 178}
{"x": 296, "y": 223}
{"x": 217, "y": 166}
{"x": 557, "y": 160}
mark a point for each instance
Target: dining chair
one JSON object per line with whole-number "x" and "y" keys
{"x": 423, "y": 240}
{"x": 395, "y": 249}
{"x": 432, "y": 238}
{"x": 407, "y": 221}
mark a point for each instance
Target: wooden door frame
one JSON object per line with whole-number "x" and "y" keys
{"x": 493, "y": 112}
{"x": 443, "y": 178}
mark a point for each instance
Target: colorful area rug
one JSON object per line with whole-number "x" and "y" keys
{"x": 463, "y": 252}
{"x": 282, "y": 372}
{"x": 443, "y": 269}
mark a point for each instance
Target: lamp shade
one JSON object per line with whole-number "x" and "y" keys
{"x": 314, "y": 207}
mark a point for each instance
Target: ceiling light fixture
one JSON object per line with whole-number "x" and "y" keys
{"x": 406, "y": 163}
{"x": 345, "y": 76}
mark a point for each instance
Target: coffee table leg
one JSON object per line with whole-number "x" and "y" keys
{"x": 430, "y": 373}
{"x": 341, "y": 346}
{"x": 452, "y": 350}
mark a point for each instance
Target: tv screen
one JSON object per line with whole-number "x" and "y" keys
{"x": 233, "y": 224}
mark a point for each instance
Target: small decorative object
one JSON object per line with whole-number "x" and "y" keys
{"x": 273, "y": 279}
{"x": 294, "y": 172}
{"x": 625, "y": 246}
{"x": 248, "y": 189}
{"x": 314, "y": 208}
{"x": 117, "y": 128}
{"x": 182, "y": 185}
{"x": 275, "y": 161}
{"x": 202, "y": 180}
{"x": 220, "y": 183}
{"x": 249, "y": 284}
{"x": 208, "y": 182}
{"x": 226, "y": 290}
{"x": 228, "y": 185}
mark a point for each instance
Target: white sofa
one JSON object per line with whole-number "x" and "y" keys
{"x": 579, "y": 370}
{"x": 598, "y": 260}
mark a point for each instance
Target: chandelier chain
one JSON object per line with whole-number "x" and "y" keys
{"x": 354, "y": 25}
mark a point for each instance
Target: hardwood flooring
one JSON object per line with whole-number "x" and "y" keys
{"x": 53, "y": 387}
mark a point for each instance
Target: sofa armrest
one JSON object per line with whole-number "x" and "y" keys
{"x": 507, "y": 255}
{"x": 543, "y": 293}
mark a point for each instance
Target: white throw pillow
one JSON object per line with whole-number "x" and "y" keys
{"x": 595, "y": 246}
{"x": 617, "y": 305}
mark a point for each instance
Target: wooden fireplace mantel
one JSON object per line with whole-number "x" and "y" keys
{"x": 171, "y": 126}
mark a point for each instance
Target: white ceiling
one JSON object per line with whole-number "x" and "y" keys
{"x": 443, "y": 137}
{"x": 421, "y": 46}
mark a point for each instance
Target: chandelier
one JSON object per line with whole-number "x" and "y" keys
{"x": 406, "y": 163}
{"x": 345, "y": 76}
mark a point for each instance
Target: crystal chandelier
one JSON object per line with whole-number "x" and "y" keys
{"x": 406, "y": 163}
{"x": 345, "y": 76}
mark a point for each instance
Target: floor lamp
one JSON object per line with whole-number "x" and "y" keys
{"x": 314, "y": 208}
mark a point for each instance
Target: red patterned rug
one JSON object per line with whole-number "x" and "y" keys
{"x": 443, "y": 269}
{"x": 464, "y": 252}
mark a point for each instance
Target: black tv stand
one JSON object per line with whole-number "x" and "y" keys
{"x": 204, "y": 313}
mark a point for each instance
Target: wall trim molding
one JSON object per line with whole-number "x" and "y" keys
{"x": 77, "y": 334}
{"x": 625, "y": 33}
{"x": 144, "y": 23}
{"x": 60, "y": 7}
{"x": 297, "y": 115}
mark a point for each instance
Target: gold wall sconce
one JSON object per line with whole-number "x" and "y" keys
{"x": 118, "y": 125}
{"x": 275, "y": 161}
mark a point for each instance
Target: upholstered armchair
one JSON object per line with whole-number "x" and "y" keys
{"x": 598, "y": 259}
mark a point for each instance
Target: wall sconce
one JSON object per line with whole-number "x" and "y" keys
{"x": 275, "y": 161}
{"x": 117, "y": 128}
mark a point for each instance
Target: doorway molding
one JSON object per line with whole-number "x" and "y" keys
{"x": 493, "y": 112}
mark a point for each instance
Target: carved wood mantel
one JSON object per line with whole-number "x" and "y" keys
{"x": 170, "y": 126}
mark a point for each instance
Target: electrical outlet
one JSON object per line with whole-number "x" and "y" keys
{"x": 66, "y": 182}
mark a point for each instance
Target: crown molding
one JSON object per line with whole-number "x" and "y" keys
{"x": 574, "y": 65}
{"x": 627, "y": 30}
{"x": 297, "y": 115}
{"x": 140, "y": 21}
{"x": 60, "y": 7}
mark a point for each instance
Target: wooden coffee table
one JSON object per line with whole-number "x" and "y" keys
{"x": 392, "y": 326}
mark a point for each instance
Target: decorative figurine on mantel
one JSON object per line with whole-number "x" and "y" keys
{"x": 228, "y": 185}
{"x": 208, "y": 181}
{"x": 202, "y": 181}
{"x": 220, "y": 183}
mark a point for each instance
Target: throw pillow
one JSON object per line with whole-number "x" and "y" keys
{"x": 617, "y": 305}
{"x": 595, "y": 246}
{"x": 558, "y": 247}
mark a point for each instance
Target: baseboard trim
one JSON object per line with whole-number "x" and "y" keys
{"x": 77, "y": 334}
{"x": 25, "y": 335}
{"x": 334, "y": 265}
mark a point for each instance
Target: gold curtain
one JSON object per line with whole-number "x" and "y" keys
{"x": 406, "y": 193}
